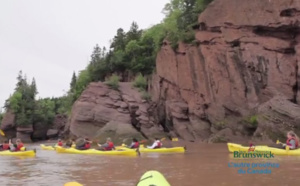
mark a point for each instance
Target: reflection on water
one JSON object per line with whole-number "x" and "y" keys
{"x": 203, "y": 164}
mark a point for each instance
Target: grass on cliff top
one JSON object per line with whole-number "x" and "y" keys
{"x": 113, "y": 82}
{"x": 140, "y": 82}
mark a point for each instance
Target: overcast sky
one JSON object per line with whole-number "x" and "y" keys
{"x": 50, "y": 39}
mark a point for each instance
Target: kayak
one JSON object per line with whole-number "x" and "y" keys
{"x": 153, "y": 178}
{"x": 160, "y": 150}
{"x": 72, "y": 184}
{"x": 263, "y": 148}
{"x": 96, "y": 152}
{"x": 46, "y": 147}
{"x": 18, "y": 153}
{"x": 237, "y": 147}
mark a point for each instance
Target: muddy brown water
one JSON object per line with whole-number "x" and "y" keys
{"x": 202, "y": 164}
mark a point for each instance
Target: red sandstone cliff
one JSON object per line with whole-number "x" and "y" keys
{"x": 102, "y": 112}
{"x": 240, "y": 79}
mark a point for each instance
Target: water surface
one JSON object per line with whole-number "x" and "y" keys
{"x": 202, "y": 164}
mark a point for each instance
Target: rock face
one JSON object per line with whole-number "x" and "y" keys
{"x": 101, "y": 112}
{"x": 8, "y": 124}
{"x": 245, "y": 57}
{"x": 37, "y": 131}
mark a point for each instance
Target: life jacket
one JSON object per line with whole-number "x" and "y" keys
{"x": 158, "y": 144}
{"x": 110, "y": 146}
{"x": 87, "y": 145}
{"x": 292, "y": 138}
{"x": 60, "y": 143}
{"x": 19, "y": 146}
{"x": 5, "y": 146}
{"x": 136, "y": 145}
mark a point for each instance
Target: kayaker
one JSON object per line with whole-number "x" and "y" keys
{"x": 87, "y": 143}
{"x": 69, "y": 143}
{"x": 83, "y": 144}
{"x": 135, "y": 144}
{"x": 59, "y": 143}
{"x": 19, "y": 144}
{"x": 16, "y": 147}
{"x": 5, "y": 145}
{"x": 109, "y": 145}
{"x": 292, "y": 140}
{"x": 157, "y": 144}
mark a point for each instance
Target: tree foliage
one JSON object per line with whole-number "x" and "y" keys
{"x": 27, "y": 109}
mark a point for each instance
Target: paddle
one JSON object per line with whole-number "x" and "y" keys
{"x": 286, "y": 146}
{"x": 2, "y": 133}
{"x": 278, "y": 142}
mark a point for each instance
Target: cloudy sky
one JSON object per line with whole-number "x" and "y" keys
{"x": 50, "y": 39}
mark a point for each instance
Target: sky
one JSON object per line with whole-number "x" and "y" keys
{"x": 50, "y": 39}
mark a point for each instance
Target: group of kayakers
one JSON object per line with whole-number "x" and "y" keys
{"x": 9, "y": 145}
{"x": 85, "y": 144}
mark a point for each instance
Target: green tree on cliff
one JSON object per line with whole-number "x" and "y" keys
{"x": 1, "y": 116}
{"x": 23, "y": 104}
{"x": 73, "y": 82}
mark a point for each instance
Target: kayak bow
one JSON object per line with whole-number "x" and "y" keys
{"x": 153, "y": 178}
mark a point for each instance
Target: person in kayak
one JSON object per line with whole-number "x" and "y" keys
{"x": 59, "y": 143}
{"x": 135, "y": 144}
{"x": 69, "y": 143}
{"x": 109, "y": 145}
{"x": 157, "y": 144}
{"x": 5, "y": 146}
{"x": 16, "y": 147}
{"x": 292, "y": 140}
{"x": 83, "y": 144}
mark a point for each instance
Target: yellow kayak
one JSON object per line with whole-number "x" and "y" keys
{"x": 96, "y": 152}
{"x": 18, "y": 153}
{"x": 237, "y": 147}
{"x": 47, "y": 147}
{"x": 153, "y": 178}
{"x": 72, "y": 184}
{"x": 160, "y": 150}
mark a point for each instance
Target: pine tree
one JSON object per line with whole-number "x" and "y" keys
{"x": 73, "y": 82}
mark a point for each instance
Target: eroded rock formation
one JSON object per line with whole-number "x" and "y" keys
{"x": 102, "y": 112}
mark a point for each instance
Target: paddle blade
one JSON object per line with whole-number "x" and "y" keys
{"x": 143, "y": 141}
{"x": 174, "y": 139}
{"x": 2, "y": 133}
{"x": 277, "y": 142}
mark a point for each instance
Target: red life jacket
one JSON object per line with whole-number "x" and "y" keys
{"x": 158, "y": 144}
{"x": 292, "y": 138}
{"x": 5, "y": 146}
{"x": 136, "y": 145}
{"x": 19, "y": 146}
{"x": 87, "y": 145}
{"x": 110, "y": 146}
{"x": 60, "y": 143}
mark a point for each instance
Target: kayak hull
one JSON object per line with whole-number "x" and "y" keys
{"x": 45, "y": 147}
{"x": 276, "y": 151}
{"x": 160, "y": 150}
{"x": 96, "y": 152}
{"x": 153, "y": 178}
{"x": 28, "y": 153}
